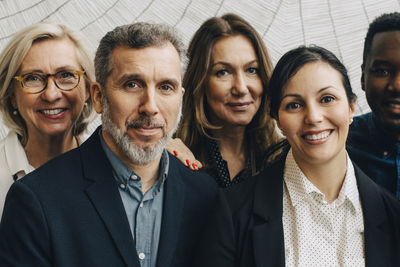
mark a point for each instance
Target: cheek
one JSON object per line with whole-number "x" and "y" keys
{"x": 77, "y": 100}
{"x": 24, "y": 102}
{"x": 216, "y": 90}
{"x": 374, "y": 86}
{"x": 288, "y": 124}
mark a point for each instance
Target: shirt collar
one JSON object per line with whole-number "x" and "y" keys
{"x": 301, "y": 189}
{"x": 16, "y": 156}
{"x": 123, "y": 173}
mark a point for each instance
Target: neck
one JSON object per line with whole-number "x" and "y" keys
{"x": 231, "y": 138}
{"x": 232, "y": 146}
{"x": 40, "y": 150}
{"x": 327, "y": 177}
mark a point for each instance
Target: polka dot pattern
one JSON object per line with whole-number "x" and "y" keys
{"x": 220, "y": 171}
{"x": 318, "y": 233}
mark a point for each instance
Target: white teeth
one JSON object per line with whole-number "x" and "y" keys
{"x": 394, "y": 105}
{"x": 52, "y": 111}
{"x": 319, "y": 136}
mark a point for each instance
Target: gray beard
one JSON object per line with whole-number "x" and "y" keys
{"x": 137, "y": 154}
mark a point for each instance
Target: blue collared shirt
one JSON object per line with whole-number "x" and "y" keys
{"x": 375, "y": 153}
{"x": 144, "y": 212}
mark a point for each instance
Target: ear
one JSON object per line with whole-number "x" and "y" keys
{"x": 280, "y": 128}
{"x": 183, "y": 91}
{"x": 353, "y": 106}
{"x": 87, "y": 91}
{"x": 13, "y": 101}
{"x": 362, "y": 78}
{"x": 96, "y": 91}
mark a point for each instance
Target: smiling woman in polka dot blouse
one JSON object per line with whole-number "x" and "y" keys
{"x": 313, "y": 207}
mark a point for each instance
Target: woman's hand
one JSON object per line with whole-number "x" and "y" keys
{"x": 182, "y": 152}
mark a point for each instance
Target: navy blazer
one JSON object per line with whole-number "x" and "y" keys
{"x": 69, "y": 213}
{"x": 247, "y": 230}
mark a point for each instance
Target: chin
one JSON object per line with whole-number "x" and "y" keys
{"x": 55, "y": 132}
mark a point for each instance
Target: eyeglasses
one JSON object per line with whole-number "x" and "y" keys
{"x": 35, "y": 82}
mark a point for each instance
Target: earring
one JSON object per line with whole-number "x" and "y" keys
{"x": 15, "y": 112}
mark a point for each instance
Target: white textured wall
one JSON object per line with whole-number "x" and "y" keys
{"x": 338, "y": 25}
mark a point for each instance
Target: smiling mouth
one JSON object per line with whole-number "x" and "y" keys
{"x": 394, "y": 105}
{"x": 318, "y": 136}
{"x": 52, "y": 112}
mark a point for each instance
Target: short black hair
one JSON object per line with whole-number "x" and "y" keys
{"x": 384, "y": 23}
{"x": 292, "y": 61}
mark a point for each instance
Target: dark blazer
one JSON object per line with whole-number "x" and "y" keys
{"x": 247, "y": 230}
{"x": 69, "y": 213}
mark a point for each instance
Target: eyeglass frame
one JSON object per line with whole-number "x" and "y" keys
{"x": 46, "y": 77}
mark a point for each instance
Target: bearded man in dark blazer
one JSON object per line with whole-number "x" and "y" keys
{"x": 119, "y": 199}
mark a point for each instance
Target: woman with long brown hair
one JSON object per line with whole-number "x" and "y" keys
{"x": 226, "y": 122}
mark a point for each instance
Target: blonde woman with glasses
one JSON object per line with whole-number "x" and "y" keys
{"x": 45, "y": 72}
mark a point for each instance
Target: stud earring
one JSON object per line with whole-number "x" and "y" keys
{"x": 15, "y": 112}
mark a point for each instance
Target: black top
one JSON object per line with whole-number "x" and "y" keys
{"x": 219, "y": 167}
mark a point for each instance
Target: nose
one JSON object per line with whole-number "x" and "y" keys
{"x": 239, "y": 86}
{"x": 51, "y": 93}
{"x": 313, "y": 114}
{"x": 148, "y": 103}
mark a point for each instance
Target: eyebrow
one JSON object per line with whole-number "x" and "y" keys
{"x": 319, "y": 91}
{"x": 138, "y": 77}
{"x": 65, "y": 67}
{"x": 129, "y": 76}
{"x": 173, "y": 82}
{"x": 378, "y": 62}
{"x": 228, "y": 64}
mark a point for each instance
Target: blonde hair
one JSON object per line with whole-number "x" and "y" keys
{"x": 11, "y": 59}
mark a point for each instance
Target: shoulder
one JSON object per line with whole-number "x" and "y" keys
{"x": 375, "y": 197}
{"x": 360, "y": 125}
{"x": 361, "y": 136}
{"x": 56, "y": 173}
{"x": 12, "y": 156}
{"x": 197, "y": 180}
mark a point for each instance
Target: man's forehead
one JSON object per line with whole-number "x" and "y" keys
{"x": 385, "y": 40}
{"x": 164, "y": 60}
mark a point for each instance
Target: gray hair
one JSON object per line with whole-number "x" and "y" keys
{"x": 137, "y": 35}
{"x": 11, "y": 59}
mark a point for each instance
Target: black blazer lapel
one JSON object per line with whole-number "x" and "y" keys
{"x": 104, "y": 195}
{"x": 376, "y": 232}
{"x": 174, "y": 197}
{"x": 267, "y": 233}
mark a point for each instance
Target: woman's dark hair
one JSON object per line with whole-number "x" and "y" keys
{"x": 291, "y": 62}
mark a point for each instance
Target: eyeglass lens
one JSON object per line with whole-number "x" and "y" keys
{"x": 64, "y": 80}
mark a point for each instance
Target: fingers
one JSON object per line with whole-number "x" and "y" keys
{"x": 183, "y": 153}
